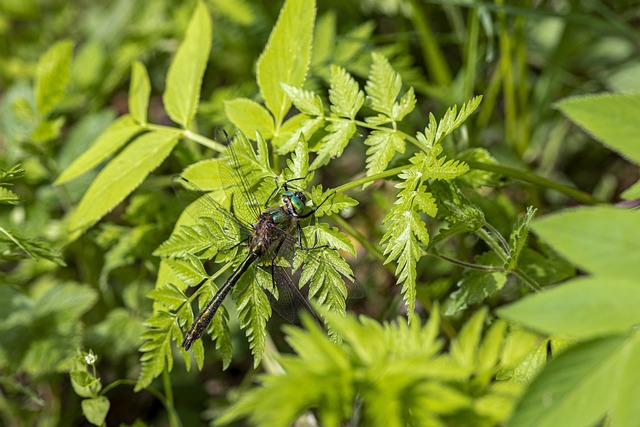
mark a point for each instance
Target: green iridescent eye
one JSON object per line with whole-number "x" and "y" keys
{"x": 297, "y": 203}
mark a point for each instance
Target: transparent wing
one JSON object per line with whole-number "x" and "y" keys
{"x": 202, "y": 208}
{"x": 236, "y": 184}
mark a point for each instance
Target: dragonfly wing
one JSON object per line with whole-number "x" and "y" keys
{"x": 236, "y": 163}
{"x": 201, "y": 207}
{"x": 290, "y": 300}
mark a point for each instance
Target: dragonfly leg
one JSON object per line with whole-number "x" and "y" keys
{"x": 310, "y": 248}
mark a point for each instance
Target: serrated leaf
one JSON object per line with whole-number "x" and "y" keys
{"x": 614, "y": 119}
{"x": 406, "y": 105}
{"x": 110, "y": 141}
{"x": 477, "y": 285}
{"x": 250, "y": 117}
{"x": 303, "y": 127}
{"x": 335, "y": 202}
{"x": 96, "y": 409}
{"x": 332, "y": 145}
{"x": 286, "y": 56}
{"x": 298, "y": 165}
{"x": 185, "y": 240}
{"x": 383, "y": 84}
{"x": 8, "y": 197}
{"x": 253, "y": 312}
{"x": 383, "y": 146}
{"x": 518, "y": 237}
{"x": 305, "y": 101}
{"x": 156, "y": 350}
{"x": 344, "y": 93}
{"x": 52, "y": 76}
{"x": 464, "y": 348}
{"x": 121, "y": 176}
{"x": 436, "y": 131}
{"x": 169, "y": 296}
{"x": 187, "y": 68}
{"x": 139, "y": 93}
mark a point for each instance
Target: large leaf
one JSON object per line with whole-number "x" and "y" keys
{"x": 574, "y": 389}
{"x": 582, "y": 308}
{"x": 250, "y": 117}
{"x": 599, "y": 239}
{"x": 121, "y": 176}
{"x": 614, "y": 119}
{"x": 286, "y": 57}
{"x": 120, "y": 131}
{"x": 185, "y": 72}
{"x": 139, "y": 93}
{"x": 52, "y": 76}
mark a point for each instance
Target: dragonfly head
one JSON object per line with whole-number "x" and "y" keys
{"x": 297, "y": 198}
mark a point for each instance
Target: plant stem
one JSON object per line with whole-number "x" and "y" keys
{"x": 174, "y": 420}
{"x": 574, "y": 193}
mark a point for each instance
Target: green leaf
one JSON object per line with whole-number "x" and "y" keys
{"x": 632, "y": 192}
{"x": 624, "y": 410}
{"x": 383, "y": 85}
{"x": 434, "y": 133}
{"x": 121, "y": 176}
{"x": 383, "y": 146}
{"x": 17, "y": 246}
{"x": 95, "y": 410}
{"x": 598, "y": 239}
{"x": 306, "y": 101}
{"x": 405, "y": 106}
{"x": 332, "y": 145}
{"x": 298, "y": 126}
{"x": 250, "y": 117}
{"x": 48, "y": 130}
{"x": 253, "y": 312}
{"x": 286, "y": 56}
{"x": 575, "y": 388}
{"x": 52, "y": 76}
{"x": 8, "y": 197}
{"x": 477, "y": 285}
{"x": 518, "y": 237}
{"x": 581, "y": 308}
{"x": 613, "y": 119}
{"x": 335, "y": 203}
{"x": 139, "y": 93}
{"x": 110, "y": 141}
{"x": 344, "y": 93}
{"x": 156, "y": 350}
{"x": 187, "y": 68}
{"x": 464, "y": 349}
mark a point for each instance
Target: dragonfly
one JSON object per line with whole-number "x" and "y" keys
{"x": 272, "y": 236}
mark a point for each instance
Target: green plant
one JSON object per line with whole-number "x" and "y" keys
{"x": 435, "y": 189}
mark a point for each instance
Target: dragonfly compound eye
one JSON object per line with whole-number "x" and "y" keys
{"x": 298, "y": 200}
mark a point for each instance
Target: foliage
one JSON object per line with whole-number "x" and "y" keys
{"x": 395, "y": 374}
{"x": 435, "y": 137}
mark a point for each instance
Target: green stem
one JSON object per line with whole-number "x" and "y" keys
{"x": 369, "y": 179}
{"x": 537, "y": 180}
{"x": 174, "y": 420}
{"x": 371, "y": 248}
{"x": 185, "y": 133}
{"x": 466, "y": 264}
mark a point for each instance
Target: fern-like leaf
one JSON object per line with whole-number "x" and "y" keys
{"x": 253, "y": 311}
{"x": 345, "y": 95}
{"x": 383, "y": 85}
{"x": 306, "y": 101}
{"x": 382, "y": 147}
{"x": 340, "y": 132}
